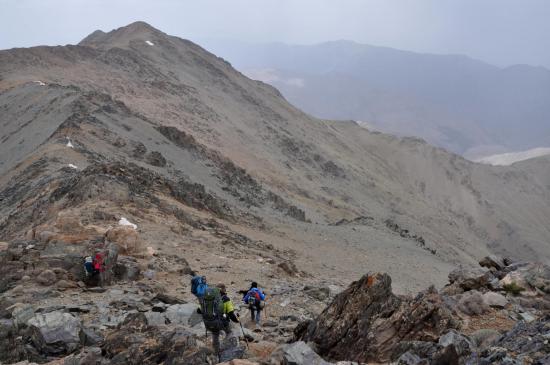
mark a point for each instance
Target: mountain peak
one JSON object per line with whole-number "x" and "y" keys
{"x": 123, "y": 36}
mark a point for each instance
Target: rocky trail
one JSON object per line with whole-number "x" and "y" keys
{"x": 497, "y": 313}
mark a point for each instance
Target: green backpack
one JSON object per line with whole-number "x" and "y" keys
{"x": 212, "y": 309}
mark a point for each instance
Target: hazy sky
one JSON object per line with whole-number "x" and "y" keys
{"x": 502, "y": 32}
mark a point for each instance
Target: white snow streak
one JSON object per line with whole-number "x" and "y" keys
{"x": 73, "y": 166}
{"x": 150, "y": 43}
{"x": 125, "y": 222}
{"x": 69, "y": 144}
{"x": 40, "y": 83}
{"x": 509, "y": 158}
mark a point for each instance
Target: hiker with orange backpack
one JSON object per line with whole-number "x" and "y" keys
{"x": 255, "y": 298}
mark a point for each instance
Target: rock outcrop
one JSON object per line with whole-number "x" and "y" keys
{"x": 366, "y": 322}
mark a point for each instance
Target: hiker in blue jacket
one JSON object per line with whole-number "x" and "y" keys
{"x": 255, "y": 298}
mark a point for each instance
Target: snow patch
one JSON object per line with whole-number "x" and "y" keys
{"x": 69, "y": 144}
{"x": 125, "y": 222}
{"x": 40, "y": 83}
{"x": 505, "y": 159}
{"x": 150, "y": 43}
{"x": 73, "y": 166}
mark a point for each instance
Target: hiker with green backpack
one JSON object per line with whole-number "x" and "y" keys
{"x": 218, "y": 312}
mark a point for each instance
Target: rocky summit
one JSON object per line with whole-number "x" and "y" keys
{"x": 148, "y": 154}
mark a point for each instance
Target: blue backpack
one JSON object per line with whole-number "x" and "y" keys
{"x": 198, "y": 286}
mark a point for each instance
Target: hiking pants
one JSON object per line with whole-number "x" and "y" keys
{"x": 255, "y": 314}
{"x": 229, "y": 335}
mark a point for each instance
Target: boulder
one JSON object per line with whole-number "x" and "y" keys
{"x": 180, "y": 313}
{"x": 470, "y": 279}
{"x": 495, "y": 300}
{"x": 462, "y": 345}
{"x": 492, "y": 261}
{"x": 472, "y": 303}
{"x": 55, "y": 333}
{"x": 127, "y": 239}
{"x": 46, "y": 277}
{"x": 369, "y": 318}
{"x": 297, "y": 353}
{"x": 127, "y": 269}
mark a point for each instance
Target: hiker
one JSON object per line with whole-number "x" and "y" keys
{"x": 93, "y": 267}
{"x": 218, "y": 312}
{"x": 198, "y": 286}
{"x": 255, "y": 298}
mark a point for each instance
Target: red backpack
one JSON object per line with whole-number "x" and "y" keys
{"x": 98, "y": 262}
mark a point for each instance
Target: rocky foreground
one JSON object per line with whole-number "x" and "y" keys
{"x": 498, "y": 313}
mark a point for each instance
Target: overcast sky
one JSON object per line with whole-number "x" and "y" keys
{"x": 501, "y": 32}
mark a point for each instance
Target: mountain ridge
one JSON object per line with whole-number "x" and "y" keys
{"x": 289, "y": 167}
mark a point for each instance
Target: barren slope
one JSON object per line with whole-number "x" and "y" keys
{"x": 170, "y": 136}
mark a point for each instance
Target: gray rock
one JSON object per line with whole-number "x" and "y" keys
{"x": 180, "y": 313}
{"x": 56, "y": 332}
{"x": 463, "y": 346}
{"x": 527, "y": 317}
{"x": 320, "y": 294}
{"x": 299, "y": 353}
{"x": 408, "y": 358}
{"x": 21, "y": 313}
{"x": 88, "y": 356}
{"x": 155, "y": 318}
{"x": 495, "y": 300}
{"x": 469, "y": 279}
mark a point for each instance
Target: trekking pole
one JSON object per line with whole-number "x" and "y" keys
{"x": 244, "y": 336}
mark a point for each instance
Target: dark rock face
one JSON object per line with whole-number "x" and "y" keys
{"x": 56, "y": 333}
{"x": 367, "y": 321}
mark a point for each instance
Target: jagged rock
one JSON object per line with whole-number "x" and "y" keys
{"x": 495, "y": 300}
{"x": 462, "y": 345}
{"x": 55, "y": 333}
{"x": 134, "y": 342}
{"x": 472, "y": 303}
{"x": 525, "y": 343}
{"x": 492, "y": 261}
{"x": 470, "y": 279}
{"x": 483, "y": 338}
{"x": 11, "y": 343}
{"x": 369, "y": 318}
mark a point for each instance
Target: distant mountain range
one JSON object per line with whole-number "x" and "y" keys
{"x": 464, "y": 105}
